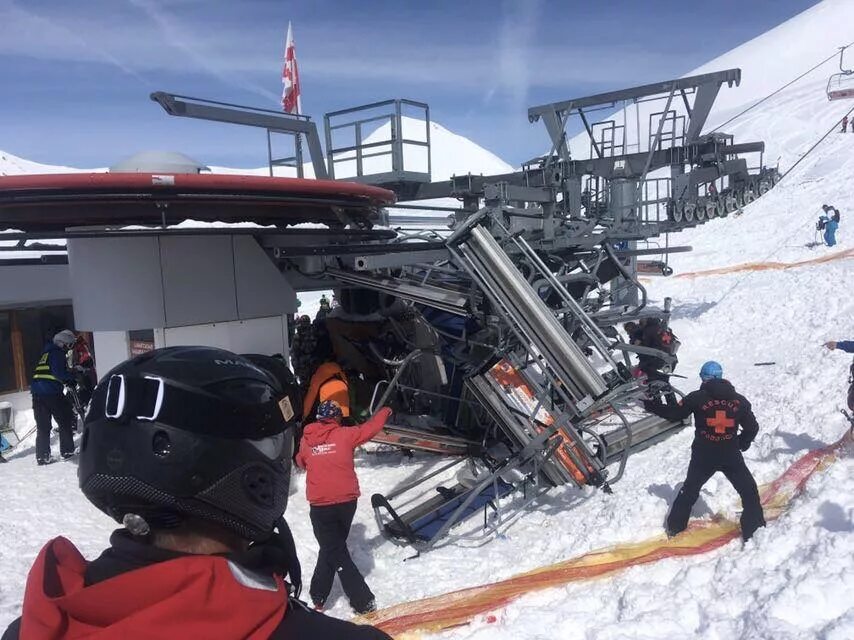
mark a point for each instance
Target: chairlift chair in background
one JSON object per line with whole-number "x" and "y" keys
{"x": 841, "y": 85}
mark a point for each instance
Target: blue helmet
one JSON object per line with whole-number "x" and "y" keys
{"x": 328, "y": 410}
{"x": 710, "y": 370}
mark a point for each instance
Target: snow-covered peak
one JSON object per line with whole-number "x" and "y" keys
{"x": 452, "y": 154}
{"x": 11, "y": 165}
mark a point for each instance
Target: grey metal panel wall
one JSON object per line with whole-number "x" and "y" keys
{"x": 116, "y": 284}
{"x": 120, "y": 284}
{"x": 262, "y": 290}
{"x": 32, "y": 285}
{"x": 198, "y": 280}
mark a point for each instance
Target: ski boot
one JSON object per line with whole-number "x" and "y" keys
{"x": 369, "y": 607}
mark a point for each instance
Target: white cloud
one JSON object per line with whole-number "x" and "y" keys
{"x": 198, "y": 52}
{"x": 25, "y": 32}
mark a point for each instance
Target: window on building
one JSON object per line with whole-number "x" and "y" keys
{"x": 23, "y": 334}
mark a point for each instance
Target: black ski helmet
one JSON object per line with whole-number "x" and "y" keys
{"x": 188, "y": 432}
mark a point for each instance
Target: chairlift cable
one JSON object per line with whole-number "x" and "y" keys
{"x": 818, "y": 142}
{"x": 785, "y": 86}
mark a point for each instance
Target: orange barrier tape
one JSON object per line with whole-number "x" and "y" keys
{"x": 460, "y": 607}
{"x": 769, "y": 266}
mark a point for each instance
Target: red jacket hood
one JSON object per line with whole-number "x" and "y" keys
{"x": 188, "y": 597}
{"x": 318, "y": 432}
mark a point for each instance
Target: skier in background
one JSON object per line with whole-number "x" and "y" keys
{"x": 82, "y": 364}
{"x": 303, "y": 348}
{"x": 49, "y": 378}
{"x": 830, "y": 228}
{"x": 718, "y": 412}
{"x": 848, "y": 347}
{"x": 332, "y": 489}
{"x": 325, "y": 308}
{"x": 845, "y": 124}
{"x": 829, "y": 222}
{"x": 204, "y": 551}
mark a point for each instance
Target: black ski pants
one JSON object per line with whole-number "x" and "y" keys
{"x": 58, "y": 408}
{"x": 704, "y": 464}
{"x": 331, "y": 524}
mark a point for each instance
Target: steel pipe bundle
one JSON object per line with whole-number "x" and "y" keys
{"x": 531, "y": 315}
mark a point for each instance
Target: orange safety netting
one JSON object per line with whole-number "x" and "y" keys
{"x": 460, "y": 607}
{"x": 769, "y": 266}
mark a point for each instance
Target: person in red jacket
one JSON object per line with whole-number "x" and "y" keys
{"x": 332, "y": 489}
{"x": 190, "y": 450}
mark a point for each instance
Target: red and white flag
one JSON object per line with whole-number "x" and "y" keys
{"x": 290, "y": 77}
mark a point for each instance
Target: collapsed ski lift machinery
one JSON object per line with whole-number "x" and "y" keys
{"x": 491, "y": 329}
{"x": 840, "y": 85}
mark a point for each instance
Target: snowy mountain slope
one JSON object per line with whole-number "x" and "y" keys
{"x": 11, "y": 165}
{"x": 768, "y": 62}
{"x": 783, "y": 53}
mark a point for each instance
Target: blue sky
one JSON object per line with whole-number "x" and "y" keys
{"x": 75, "y": 76}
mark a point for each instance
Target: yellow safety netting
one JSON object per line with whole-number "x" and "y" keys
{"x": 406, "y": 620}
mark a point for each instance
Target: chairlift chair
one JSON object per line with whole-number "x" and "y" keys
{"x": 841, "y": 85}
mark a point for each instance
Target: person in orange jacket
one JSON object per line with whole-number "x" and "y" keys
{"x": 328, "y": 382}
{"x": 332, "y": 489}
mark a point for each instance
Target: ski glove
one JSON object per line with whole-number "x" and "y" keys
{"x": 743, "y": 443}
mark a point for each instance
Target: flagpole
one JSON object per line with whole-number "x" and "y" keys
{"x": 291, "y": 98}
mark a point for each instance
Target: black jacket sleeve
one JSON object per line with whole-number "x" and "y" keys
{"x": 749, "y": 426}
{"x": 13, "y": 632}
{"x": 652, "y": 337}
{"x": 674, "y": 412}
{"x": 301, "y": 622}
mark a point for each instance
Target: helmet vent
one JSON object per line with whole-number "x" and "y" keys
{"x": 161, "y": 444}
{"x": 258, "y": 483}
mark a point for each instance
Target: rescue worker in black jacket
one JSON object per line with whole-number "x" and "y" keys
{"x": 718, "y": 413}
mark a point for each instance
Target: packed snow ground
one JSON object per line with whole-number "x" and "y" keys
{"x": 794, "y": 580}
